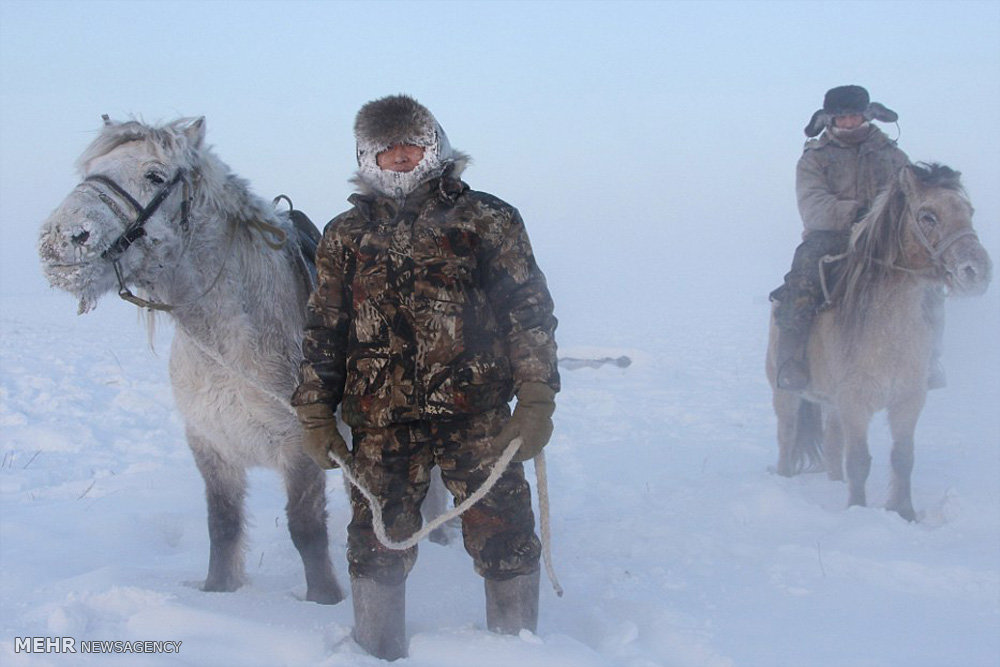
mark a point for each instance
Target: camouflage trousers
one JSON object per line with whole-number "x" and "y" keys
{"x": 801, "y": 295}
{"x": 395, "y": 464}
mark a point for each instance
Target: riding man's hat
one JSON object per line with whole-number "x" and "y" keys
{"x": 390, "y": 121}
{"x": 845, "y": 101}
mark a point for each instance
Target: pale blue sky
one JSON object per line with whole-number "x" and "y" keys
{"x": 650, "y": 146}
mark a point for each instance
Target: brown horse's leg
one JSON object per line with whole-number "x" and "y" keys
{"x": 833, "y": 446}
{"x": 903, "y": 423}
{"x": 786, "y": 407}
{"x": 858, "y": 461}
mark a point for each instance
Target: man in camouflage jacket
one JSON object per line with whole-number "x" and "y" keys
{"x": 429, "y": 316}
{"x": 837, "y": 179}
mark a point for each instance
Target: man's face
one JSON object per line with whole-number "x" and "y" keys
{"x": 849, "y": 121}
{"x": 401, "y": 157}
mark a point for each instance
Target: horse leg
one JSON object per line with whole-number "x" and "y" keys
{"x": 225, "y": 490}
{"x": 786, "y": 406}
{"x": 833, "y": 446}
{"x": 902, "y": 423}
{"x": 305, "y": 484}
{"x": 858, "y": 460}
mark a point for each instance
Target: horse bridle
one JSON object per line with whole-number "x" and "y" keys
{"x": 937, "y": 251}
{"x": 136, "y": 229}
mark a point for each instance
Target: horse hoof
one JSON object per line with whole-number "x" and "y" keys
{"x": 221, "y": 586}
{"x": 326, "y": 595}
{"x": 905, "y": 512}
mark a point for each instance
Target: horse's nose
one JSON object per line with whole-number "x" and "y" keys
{"x": 974, "y": 276}
{"x": 80, "y": 238}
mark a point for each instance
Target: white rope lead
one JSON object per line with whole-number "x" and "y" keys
{"x": 542, "y": 483}
{"x": 376, "y": 506}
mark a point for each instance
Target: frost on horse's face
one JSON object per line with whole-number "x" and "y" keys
{"x": 122, "y": 172}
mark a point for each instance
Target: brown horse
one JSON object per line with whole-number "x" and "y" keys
{"x": 870, "y": 349}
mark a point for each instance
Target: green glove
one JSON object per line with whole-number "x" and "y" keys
{"x": 531, "y": 421}
{"x": 321, "y": 435}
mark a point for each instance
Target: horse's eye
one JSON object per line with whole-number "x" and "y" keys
{"x": 928, "y": 219}
{"x": 155, "y": 177}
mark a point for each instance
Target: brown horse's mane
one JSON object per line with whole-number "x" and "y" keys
{"x": 876, "y": 246}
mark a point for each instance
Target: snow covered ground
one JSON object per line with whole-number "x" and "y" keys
{"x": 674, "y": 543}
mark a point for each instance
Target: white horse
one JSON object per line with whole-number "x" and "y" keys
{"x": 158, "y": 212}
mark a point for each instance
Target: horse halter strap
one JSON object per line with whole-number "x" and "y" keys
{"x": 135, "y": 229}
{"x": 936, "y": 251}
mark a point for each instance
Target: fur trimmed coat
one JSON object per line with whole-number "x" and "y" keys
{"x": 836, "y": 182}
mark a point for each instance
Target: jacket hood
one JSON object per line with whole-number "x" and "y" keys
{"x": 400, "y": 119}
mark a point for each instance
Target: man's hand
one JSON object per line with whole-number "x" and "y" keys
{"x": 321, "y": 435}
{"x": 531, "y": 421}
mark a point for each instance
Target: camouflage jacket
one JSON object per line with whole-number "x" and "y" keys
{"x": 432, "y": 309}
{"x": 836, "y": 182}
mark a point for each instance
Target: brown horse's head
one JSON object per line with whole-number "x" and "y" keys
{"x": 938, "y": 229}
{"x": 920, "y": 225}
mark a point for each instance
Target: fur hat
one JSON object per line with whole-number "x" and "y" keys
{"x": 393, "y": 120}
{"x": 844, "y": 101}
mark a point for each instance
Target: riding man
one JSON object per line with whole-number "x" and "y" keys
{"x": 430, "y": 315}
{"x": 837, "y": 179}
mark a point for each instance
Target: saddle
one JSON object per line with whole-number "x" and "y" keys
{"x": 307, "y": 237}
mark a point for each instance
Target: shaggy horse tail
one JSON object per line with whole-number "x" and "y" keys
{"x": 807, "y": 452}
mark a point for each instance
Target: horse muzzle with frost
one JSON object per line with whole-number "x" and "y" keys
{"x": 71, "y": 246}
{"x": 968, "y": 268}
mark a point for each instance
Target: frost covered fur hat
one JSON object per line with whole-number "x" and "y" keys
{"x": 844, "y": 101}
{"x": 400, "y": 119}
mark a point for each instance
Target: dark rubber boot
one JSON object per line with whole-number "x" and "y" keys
{"x": 512, "y": 605}
{"x": 380, "y": 618}
{"x": 793, "y": 372}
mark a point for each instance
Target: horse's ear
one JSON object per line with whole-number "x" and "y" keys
{"x": 195, "y": 131}
{"x": 908, "y": 181}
